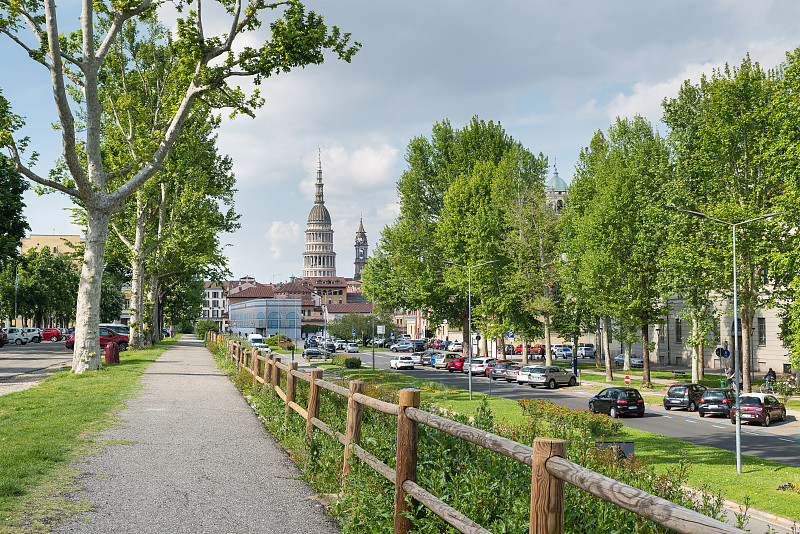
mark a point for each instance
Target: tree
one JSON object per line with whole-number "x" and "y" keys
{"x": 625, "y": 218}
{"x": 12, "y": 222}
{"x": 725, "y": 127}
{"x": 204, "y": 68}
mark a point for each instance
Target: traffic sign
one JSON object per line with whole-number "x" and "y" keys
{"x": 726, "y": 354}
{"x": 391, "y": 335}
{"x": 511, "y": 335}
{"x": 381, "y": 329}
{"x": 627, "y": 380}
{"x": 720, "y": 352}
{"x": 353, "y": 331}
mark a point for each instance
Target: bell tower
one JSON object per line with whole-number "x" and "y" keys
{"x": 361, "y": 249}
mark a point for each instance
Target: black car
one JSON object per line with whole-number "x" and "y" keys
{"x": 313, "y": 352}
{"x": 330, "y": 347}
{"x": 617, "y": 401}
{"x": 716, "y": 401}
{"x": 684, "y": 396}
{"x": 427, "y": 358}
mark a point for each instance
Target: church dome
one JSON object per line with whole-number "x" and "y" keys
{"x": 319, "y": 214}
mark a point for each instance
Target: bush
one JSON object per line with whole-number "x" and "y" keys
{"x": 204, "y": 325}
{"x": 348, "y": 362}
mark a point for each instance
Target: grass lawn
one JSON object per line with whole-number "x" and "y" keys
{"x": 45, "y": 428}
{"x": 714, "y": 469}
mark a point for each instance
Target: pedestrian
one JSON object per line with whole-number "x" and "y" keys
{"x": 729, "y": 376}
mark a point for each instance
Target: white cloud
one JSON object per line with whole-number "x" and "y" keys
{"x": 280, "y": 237}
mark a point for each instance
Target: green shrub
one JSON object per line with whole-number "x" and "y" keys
{"x": 348, "y": 362}
{"x": 204, "y": 325}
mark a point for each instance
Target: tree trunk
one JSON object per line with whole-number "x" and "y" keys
{"x": 747, "y": 315}
{"x": 86, "y": 353}
{"x": 524, "y": 350}
{"x": 646, "y": 355}
{"x": 607, "y": 348}
{"x": 466, "y": 334}
{"x": 598, "y": 350}
{"x": 548, "y": 357}
{"x": 137, "y": 277}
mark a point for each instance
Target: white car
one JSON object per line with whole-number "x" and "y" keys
{"x": 478, "y": 366}
{"x": 341, "y": 344}
{"x": 262, "y": 347}
{"x": 402, "y": 346}
{"x": 586, "y": 352}
{"x": 563, "y": 352}
{"x": 352, "y": 347}
{"x": 34, "y": 335}
{"x": 16, "y": 335}
{"x": 456, "y": 346}
{"x": 401, "y": 362}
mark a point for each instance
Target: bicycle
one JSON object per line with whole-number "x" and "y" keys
{"x": 768, "y": 387}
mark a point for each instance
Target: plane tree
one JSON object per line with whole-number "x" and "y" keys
{"x": 207, "y": 71}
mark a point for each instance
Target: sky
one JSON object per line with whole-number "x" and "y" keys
{"x": 551, "y": 73}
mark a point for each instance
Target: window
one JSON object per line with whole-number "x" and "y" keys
{"x": 274, "y": 320}
{"x": 762, "y": 331}
{"x": 678, "y": 331}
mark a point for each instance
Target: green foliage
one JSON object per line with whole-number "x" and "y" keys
{"x": 12, "y": 221}
{"x": 343, "y": 326}
{"x": 205, "y": 325}
{"x": 348, "y": 362}
{"x": 281, "y": 340}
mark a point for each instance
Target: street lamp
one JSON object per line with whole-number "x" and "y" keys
{"x": 736, "y": 376}
{"x": 469, "y": 312}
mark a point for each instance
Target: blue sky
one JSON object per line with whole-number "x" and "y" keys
{"x": 552, "y": 73}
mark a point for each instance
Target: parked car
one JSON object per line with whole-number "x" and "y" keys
{"x": 52, "y": 334}
{"x": 563, "y": 352}
{"x": 523, "y": 377}
{"x": 3, "y": 338}
{"x": 490, "y": 365}
{"x": 313, "y": 352}
{"x": 418, "y": 345}
{"x": 759, "y": 408}
{"x": 441, "y": 360}
{"x": 684, "y": 396}
{"x": 106, "y": 336}
{"x": 330, "y": 347}
{"x": 263, "y": 348}
{"x": 34, "y": 334}
{"x": 401, "y": 362}
{"x": 455, "y": 346}
{"x": 15, "y": 335}
{"x": 617, "y": 401}
{"x": 518, "y": 350}
{"x": 402, "y": 346}
{"x": 512, "y": 371}
{"x": 121, "y": 329}
{"x": 478, "y": 366}
{"x": 508, "y": 350}
{"x": 416, "y": 357}
{"x": 550, "y": 375}
{"x": 555, "y": 347}
{"x": 538, "y": 349}
{"x": 352, "y": 347}
{"x": 457, "y": 364}
{"x": 586, "y": 352}
{"x": 341, "y": 344}
{"x": 716, "y": 401}
{"x": 497, "y": 370}
{"x": 619, "y": 361}
{"x": 428, "y": 357}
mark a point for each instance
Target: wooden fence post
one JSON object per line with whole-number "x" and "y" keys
{"x": 314, "y": 392}
{"x": 254, "y": 366}
{"x": 547, "y": 491}
{"x": 276, "y": 373}
{"x": 406, "y": 458}
{"x": 290, "y": 385}
{"x": 353, "y": 427}
{"x": 267, "y": 359}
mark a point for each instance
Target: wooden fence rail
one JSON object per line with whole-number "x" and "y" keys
{"x": 549, "y": 469}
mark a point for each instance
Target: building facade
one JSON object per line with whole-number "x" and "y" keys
{"x": 268, "y": 317}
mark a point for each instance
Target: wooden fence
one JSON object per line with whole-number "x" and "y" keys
{"x": 550, "y": 470}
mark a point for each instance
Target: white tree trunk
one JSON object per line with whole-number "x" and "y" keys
{"x": 607, "y": 348}
{"x": 548, "y": 357}
{"x": 86, "y": 353}
{"x": 137, "y": 275}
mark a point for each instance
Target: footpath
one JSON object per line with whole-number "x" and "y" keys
{"x": 189, "y": 455}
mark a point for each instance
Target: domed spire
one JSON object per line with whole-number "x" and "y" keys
{"x": 319, "y": 198}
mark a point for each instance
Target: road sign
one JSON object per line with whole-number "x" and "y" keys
{"x": 627, "y": 380}
{"x": 720, "y": 352}
{"x": 353, "y": 331}
{"x": 381, "y": 329}
{"x": 391, "y": 335}
{"x": 726, "y": 354}
{"x": 511, "y": 335}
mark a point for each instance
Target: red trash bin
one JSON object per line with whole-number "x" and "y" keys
{"x": 112, "y": 353}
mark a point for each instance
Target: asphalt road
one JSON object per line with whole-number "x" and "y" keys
{"x": 780, "y": 442}
{"x": 23, "y": 359}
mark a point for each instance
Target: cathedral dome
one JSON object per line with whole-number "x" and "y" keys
{"x": 319, "y": 214}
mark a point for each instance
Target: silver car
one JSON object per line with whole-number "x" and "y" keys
{"x": 551, "y": 376}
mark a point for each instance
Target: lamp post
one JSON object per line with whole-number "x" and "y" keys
{"x": 736, "y": 374}
{"x": 469, "y": 312}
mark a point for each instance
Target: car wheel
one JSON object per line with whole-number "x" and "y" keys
{"x": 450, "y": 370}
{"x": 668, "y": 408}
{"x": 122, "y": 346}
{"x": 613, "y": 413}
{"x": 640, "y": 414}
{"x": 36, "y": 339}
{"x": 783, "y": 414}
{"x": 18, "y": 341}
{"x": 701, "y": 414}
{"x": 692, "y": 406}
{"x": 394, "y": 350}
{"x": 532, "y": 385}
{"x": 591, "y": 408}
{"x": 766, "y": 420}
{"x": 551, "y": 384}
{"x": 572, "y": 381}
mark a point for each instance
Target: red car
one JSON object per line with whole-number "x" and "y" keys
{"x": 51, "y": 334}
{"x": 456, "y": 365}
{"x": 106, "y": 336}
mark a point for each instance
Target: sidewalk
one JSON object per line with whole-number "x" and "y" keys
{"x": 198, "y": 460}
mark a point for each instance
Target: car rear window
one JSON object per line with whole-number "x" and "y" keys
{"x": 537, "y": 369}
{"x": 713, "y": 395}
{"x": 750, "y": 401}
{"x": 677, "y": 390}
{"x": 630, "y": 395}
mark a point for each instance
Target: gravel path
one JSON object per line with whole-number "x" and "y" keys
{"x": 199, "y": 461}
